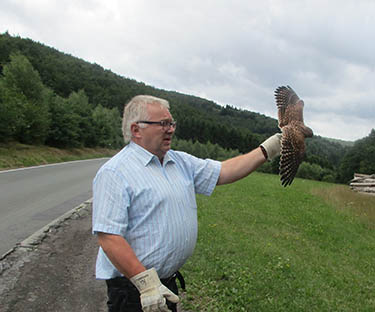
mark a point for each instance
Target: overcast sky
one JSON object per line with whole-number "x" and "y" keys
{"x": 234, "y": 52}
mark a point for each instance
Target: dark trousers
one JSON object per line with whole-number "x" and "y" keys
{"x": 123, "y": 296}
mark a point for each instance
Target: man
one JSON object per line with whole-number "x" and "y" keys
{"x": 144, "y": 208}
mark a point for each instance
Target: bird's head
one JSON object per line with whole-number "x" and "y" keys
{"x": 307, "y": 132}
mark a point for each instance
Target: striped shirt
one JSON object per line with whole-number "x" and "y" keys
{"x": 152, "y": 205}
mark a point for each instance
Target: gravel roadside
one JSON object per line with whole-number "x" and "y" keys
{"x": 53, "y": 270}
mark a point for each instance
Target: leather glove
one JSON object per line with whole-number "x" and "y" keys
{"x": 153, "y": 292}
{"x": 272, "y": 146}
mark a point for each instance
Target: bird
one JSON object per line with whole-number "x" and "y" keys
{"x": 294, "y": 132}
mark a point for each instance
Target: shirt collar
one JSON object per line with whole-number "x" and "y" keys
{"x": 146, "y": 157}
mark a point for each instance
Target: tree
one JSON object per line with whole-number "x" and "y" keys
{"x": 309, "y": 171}
{"x": 28, "y": 97}
{"x": 107, "y": 126}
{"x": 11, "y": 105}
{"x": 359, "y": 159}
{"x": 65, "y": 129}
{"x": 79, "y": 103}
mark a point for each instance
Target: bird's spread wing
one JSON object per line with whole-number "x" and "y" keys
{"x": 285, "y": 96}
{"x": 292, "y": 152}
{"x": 289, "y": 105}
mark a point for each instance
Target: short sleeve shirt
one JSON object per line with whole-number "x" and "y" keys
{"x": 152, "y": 205}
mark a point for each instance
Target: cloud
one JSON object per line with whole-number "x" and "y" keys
{"x": 233, "y": 53}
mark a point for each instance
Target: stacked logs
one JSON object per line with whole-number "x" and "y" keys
{"x": 363, "y": 183}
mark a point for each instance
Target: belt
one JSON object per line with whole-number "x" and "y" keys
{"x": 176, "y": 275}
{"x": 119, "y": 281}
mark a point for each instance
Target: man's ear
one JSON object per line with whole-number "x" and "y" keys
{"x": 135, "y": 130}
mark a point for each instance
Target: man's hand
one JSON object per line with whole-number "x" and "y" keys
{"x": 153, "y": 293}
{"x": 272, "y": 146}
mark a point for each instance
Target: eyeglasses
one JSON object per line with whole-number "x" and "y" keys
{"x": 166, "y": 124}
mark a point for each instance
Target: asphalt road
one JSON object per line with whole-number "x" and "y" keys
{"x": 32, "y": 197}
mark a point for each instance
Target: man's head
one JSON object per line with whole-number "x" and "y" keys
{"x": 154, "y": 137}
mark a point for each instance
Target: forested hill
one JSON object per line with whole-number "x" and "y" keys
{"x": 50, "y": 97}
{"x": 65, "y": 74}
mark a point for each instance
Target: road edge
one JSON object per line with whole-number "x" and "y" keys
{"x": 36, "y": 238}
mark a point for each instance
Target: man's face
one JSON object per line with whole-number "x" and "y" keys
{"x": 154, "y": 138}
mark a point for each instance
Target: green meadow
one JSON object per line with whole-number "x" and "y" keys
{"x": 263, "y": 247}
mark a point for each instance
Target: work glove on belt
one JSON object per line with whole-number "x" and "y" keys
{"x": 272, "y": 146}
{"x": 153, "y": 292}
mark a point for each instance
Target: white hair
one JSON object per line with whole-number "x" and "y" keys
{"x": 136, "y": 110}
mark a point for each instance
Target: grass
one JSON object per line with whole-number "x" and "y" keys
{"x": 262, "y": 247}
{"x": 16, "y": 155}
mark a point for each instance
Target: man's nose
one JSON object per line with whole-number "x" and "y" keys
{"x": 171, "y": 129}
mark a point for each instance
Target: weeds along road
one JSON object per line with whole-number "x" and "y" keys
{"x": 32, "y": 197}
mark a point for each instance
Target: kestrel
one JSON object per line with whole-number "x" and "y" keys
{"x": 294, "y": 132}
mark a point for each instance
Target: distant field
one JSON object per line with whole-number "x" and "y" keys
{"x": 262, "y": 247}
{"x": 16, "y": 155}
